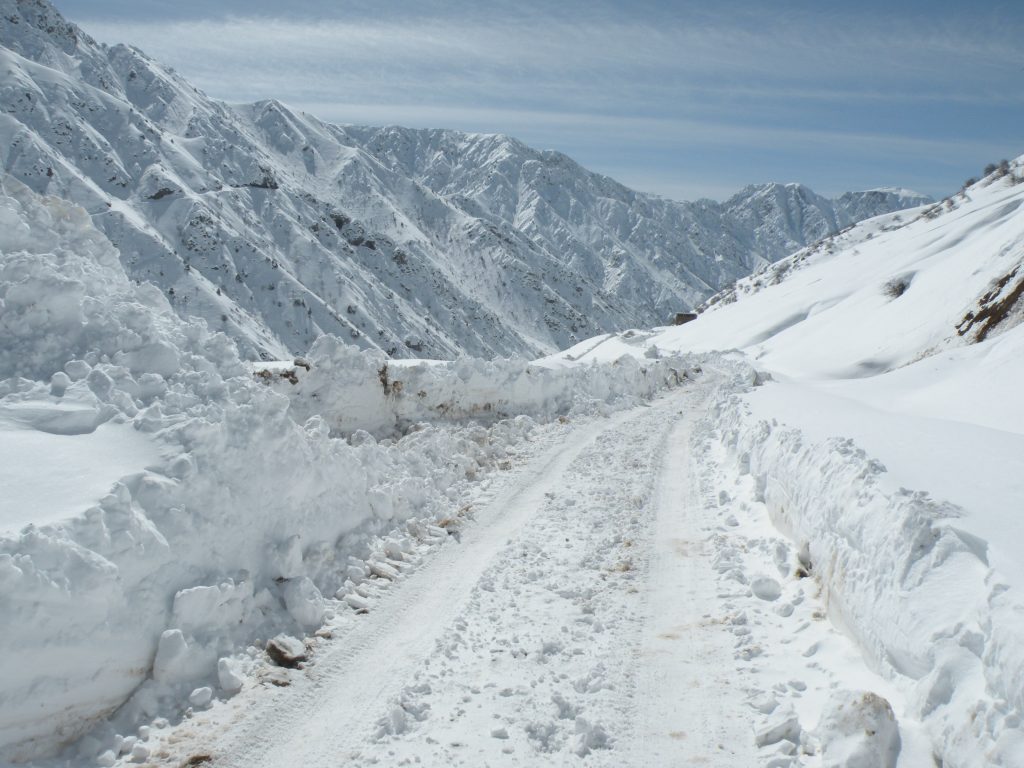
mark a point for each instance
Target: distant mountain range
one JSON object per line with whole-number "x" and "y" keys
{"x": 275, "y": 226}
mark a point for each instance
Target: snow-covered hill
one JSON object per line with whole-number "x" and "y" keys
{"x": 276, "y": 227}
{"x": 890, "y": 443}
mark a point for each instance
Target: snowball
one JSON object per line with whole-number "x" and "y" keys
{"x": 59, "y": 383}
{"x": 766, "y": 588}
{"x": 140, "y": 752}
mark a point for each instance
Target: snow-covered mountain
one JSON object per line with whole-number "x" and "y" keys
{"x": 275, "y": 226}
{"x": 195, "y": 510}
{"x": 844, "y": 435}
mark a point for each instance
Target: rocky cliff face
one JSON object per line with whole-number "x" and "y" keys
{"x": 276, "y": 227}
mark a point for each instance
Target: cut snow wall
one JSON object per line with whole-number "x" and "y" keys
{"x": 902, "y": 579}
{"x": 358, "y": 390}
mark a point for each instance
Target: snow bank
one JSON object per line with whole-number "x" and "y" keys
{"x": 241, "y": 514}
{"x": 903, "y": 577}
{"x": 360, "y": 390}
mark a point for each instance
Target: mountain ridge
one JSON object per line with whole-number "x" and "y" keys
{"x": 275, "y": 226}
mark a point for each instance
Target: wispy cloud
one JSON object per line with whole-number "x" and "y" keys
{"x": 677, "y": 77}
{"x": 810, "y": 60}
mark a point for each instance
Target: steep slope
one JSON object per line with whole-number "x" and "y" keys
{"x": 656, "y": 254}
{"x": 276, "y": 227}
{"x": 887, "y": 294}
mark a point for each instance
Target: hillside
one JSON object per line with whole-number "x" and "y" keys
{"x": 887, "y": 437}
{"x": 276, "y": 227}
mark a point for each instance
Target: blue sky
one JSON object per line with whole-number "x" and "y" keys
{"x": 685, "y": 99}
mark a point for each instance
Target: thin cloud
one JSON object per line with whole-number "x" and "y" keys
{"x": 444, "y": 54}
{"x": 665, "y": 130}
{"x": 581, "y": 78}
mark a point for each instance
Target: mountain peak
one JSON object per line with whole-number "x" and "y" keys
{"x": 277, "y": 227}
{"x": 28, "y": 25}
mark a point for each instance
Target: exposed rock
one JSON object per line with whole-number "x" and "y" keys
{"x": 286, "y": 651}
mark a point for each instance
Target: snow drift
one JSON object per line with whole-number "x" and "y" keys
{"x": 362, "y": 390}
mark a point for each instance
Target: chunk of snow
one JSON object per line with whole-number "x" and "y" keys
{"x": 229, "y": 675}
{"x": 286, "y": 558}
{"x": 201, "y": 697}
{"x": 858, "y": 730}
{"x": 172, "y": 660}
{"x": 304, "y": 602}
{"x": 766, "y": 588}
{"x": 782, "y": 724}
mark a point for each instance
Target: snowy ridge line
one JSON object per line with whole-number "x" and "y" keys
{"x": 358, "y": 390}
{"x": 848, "y": 238}
{"x": 899, "y": 576}
{"x": 276, "y": 227}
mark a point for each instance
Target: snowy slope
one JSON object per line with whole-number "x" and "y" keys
{"x": 276, "y": 227}
{"x": 891, "y": 444}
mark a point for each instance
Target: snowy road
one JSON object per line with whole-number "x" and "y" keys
{"x": 684, "y": 710}
{"x": 600, "y": 608}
